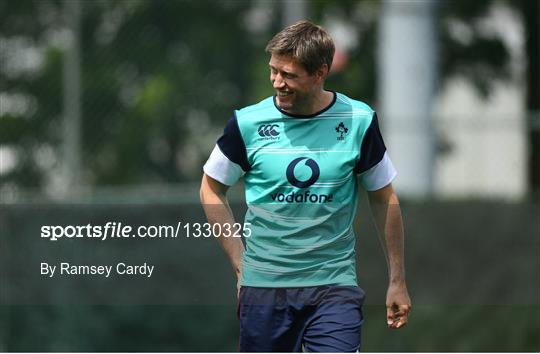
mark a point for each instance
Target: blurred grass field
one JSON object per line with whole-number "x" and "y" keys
{"x": 472, "y": 274}
{"x": 460, "y": 328}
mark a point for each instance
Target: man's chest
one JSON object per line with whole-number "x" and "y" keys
{"x": 301, "y": 154}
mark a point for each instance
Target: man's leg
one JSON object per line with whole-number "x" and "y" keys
{"x": 334, "y": 325}
{"x": 267, "y": 323}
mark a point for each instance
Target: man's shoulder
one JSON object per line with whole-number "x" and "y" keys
{"x": 354, "y": 104}
{"x": 266, "y": 105}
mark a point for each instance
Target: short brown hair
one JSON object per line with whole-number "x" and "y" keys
{"x": 306, "y": 42}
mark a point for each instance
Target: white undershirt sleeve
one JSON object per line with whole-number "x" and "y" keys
{"x": 379, "y": 176}
{"x": 220, "y": 168}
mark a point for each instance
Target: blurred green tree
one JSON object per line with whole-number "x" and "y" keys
{"x": 154, "y": 75}
{"x": 464, "y": 50}
{"x": 530, "y": 12}
{"x": 160, "y": 78}
{"x": 484, "y": 60}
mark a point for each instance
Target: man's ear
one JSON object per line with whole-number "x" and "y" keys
{"x": 322, "y": 72}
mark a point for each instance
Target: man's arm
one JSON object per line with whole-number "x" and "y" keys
{"x": 387, "y": 214}
{"x": 217, "y": 210}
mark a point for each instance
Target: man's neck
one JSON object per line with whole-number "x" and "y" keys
{"x": 327, "y": 98}
{"x": 324, "y": 100}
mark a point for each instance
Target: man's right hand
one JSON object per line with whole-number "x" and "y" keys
{"x": 217, "y": 210}
{"x": 238, "y": 279}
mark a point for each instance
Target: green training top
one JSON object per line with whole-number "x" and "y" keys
{"x": 300, "y": 176}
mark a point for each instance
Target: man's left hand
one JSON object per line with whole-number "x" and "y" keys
{"x": 398, "y": 306}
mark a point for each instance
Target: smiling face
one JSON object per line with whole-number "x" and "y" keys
{"x": 297, "y": 91}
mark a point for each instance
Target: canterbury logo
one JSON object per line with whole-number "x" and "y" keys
{"x": 268, "y": 130}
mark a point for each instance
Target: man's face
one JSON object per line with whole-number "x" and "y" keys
{"x": 296, "y": 89}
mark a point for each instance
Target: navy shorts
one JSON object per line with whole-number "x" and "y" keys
{"x": 312, "y": 319}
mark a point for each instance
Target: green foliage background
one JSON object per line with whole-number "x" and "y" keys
{"x": 160, "y": 78}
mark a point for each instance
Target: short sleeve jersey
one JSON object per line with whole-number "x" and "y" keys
{"x": 300, "y": 175}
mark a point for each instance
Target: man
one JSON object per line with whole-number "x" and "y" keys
{"x": 301, "y": 153}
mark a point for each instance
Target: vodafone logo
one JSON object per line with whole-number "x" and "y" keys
{"x": 305, "y": 195}
{"x": 315, "y": 172}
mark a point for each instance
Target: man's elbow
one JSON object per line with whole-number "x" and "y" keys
{"x": 211, "y": 190}
{"x": 203, "y": 189}
{"x": 385, "y": 195}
